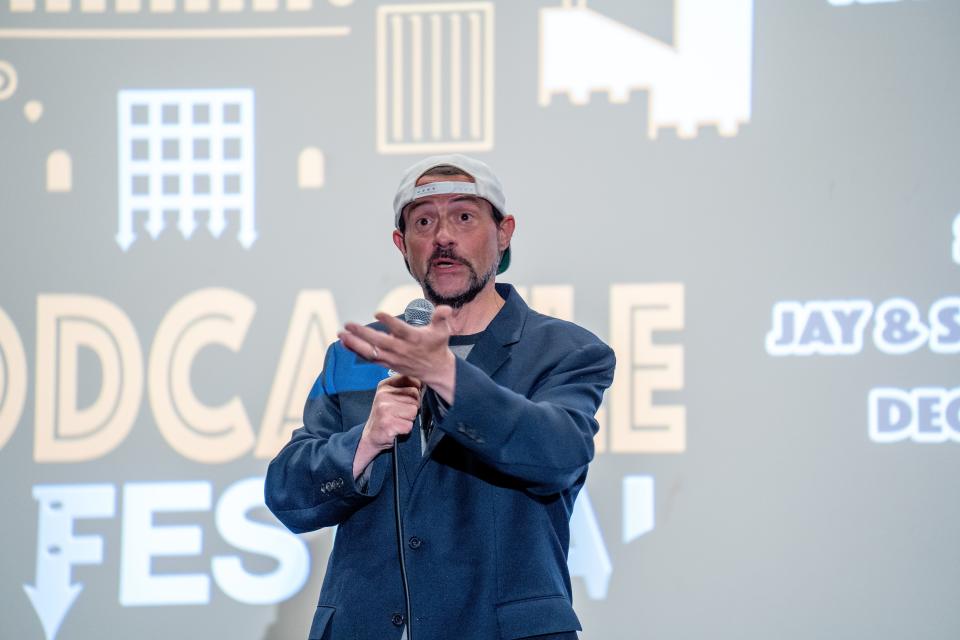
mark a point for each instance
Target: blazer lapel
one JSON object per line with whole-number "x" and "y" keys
{"x": 502, "y": 333}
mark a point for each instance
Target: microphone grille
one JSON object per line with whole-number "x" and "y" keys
{"x": 418, "y": 312}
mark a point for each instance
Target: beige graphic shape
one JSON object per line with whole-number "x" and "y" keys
{"x": 65, "y": 324}
{"x": 311, "y": 168}
{"x": 299, "y": 5}
{"x": 637, "y": 425}
{"x": 33, "y": 111}
{"x": 552, "y": 300}
{"x": 13, "y": 378}
{"x": 313, "y": 328}
{"x": 213, "y": 33}
{"x": 59, "y": 172}
{"x": 341, "y": 3}
{"x": 422, "y": 107}
{"x": 196, "y": 6}
{"x": 127, "y": 6}
{"x": 163, "y": 6}
{"x": 22, "y": 6}
{"x": 8, "y": 80}
{"x": 197, "y": 431}
{"x": 93, "y": 6}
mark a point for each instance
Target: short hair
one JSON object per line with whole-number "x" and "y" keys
{"x": 449, "y": 170}
{"x": 446, "y": 170}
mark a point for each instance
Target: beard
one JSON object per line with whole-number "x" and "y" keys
{"x": 475, "y": 282}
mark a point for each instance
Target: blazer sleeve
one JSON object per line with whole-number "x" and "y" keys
{"x": 545, "y": 440}
{"x": 310, "y": 482}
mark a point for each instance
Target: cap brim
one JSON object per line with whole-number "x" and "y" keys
{"x": 504, "y": 261}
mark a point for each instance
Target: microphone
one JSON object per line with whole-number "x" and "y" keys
{"x": 418, "y": 312}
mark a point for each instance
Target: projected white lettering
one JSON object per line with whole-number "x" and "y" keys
{"x": 830, "y": 327}
{"x": 141, "y": 540}
{"x": 926, "y": 414}
{"x": 837, "y": 327}
{"x": 898, "y": 328}
{"x": 290, "y": 553}
{"x": 588, "y": 557}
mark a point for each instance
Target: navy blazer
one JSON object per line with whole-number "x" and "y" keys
{"x": 485, "y": 514}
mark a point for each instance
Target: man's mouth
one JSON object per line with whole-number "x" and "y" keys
{"x": 445, "y": 263}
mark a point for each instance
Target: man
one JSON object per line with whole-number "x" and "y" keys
{"x": 493, "y": 407}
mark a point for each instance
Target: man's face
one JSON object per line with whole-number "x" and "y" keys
{"x": 452, "y": 244}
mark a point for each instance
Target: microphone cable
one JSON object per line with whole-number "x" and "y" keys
{"x": 418, "y": 313}
{"x": 399, "y": 522}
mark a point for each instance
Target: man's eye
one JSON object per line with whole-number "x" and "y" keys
{"x": 423, "y": 221}
{"x": 465, "y": 216}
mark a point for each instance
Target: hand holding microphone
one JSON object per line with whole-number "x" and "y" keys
{"x": 416, "y": 351}
{"x": 392, "y": 413}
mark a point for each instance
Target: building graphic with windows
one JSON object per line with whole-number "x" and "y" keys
{"x": 187, "y": 155}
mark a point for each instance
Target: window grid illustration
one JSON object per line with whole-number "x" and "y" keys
{"x": 186, "y": 155}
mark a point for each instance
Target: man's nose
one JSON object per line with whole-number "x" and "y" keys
{"x": 444, "y": 236}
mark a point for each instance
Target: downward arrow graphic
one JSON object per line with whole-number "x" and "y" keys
{"x": 155, "y": 223}
{"x": 187, "y": 224}
{"x": 52, "y": 601}
{"x": 217, "y": 222}
{"x": 58, "y": 550}
{"x": 125, "y": 235}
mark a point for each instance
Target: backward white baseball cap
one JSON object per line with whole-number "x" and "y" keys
{"x": 485, "y": 185}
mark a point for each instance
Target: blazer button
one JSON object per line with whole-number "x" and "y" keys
{"x": 415, "y": 542}
{"x": 397, "y": 620}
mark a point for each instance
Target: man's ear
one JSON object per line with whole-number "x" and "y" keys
{"x": 505, "y": 231}
{"x": 398, "y": 240}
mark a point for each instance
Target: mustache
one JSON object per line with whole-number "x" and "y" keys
{"x": 441, "y": 253}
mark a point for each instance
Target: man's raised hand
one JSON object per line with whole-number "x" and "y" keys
{"x": 419, "y": 352}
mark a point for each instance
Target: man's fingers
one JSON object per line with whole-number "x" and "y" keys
{"x": 402, "y": 395}
{"x": 395, "y": 326}
{"x": 368, "y": 344}
{"x": 360, "y": 347}
{"x": 382, "y": 341}
{"x": 406, "y": 411}
{"x": 401, "y": 382}
{"x": 441, "y": 318}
